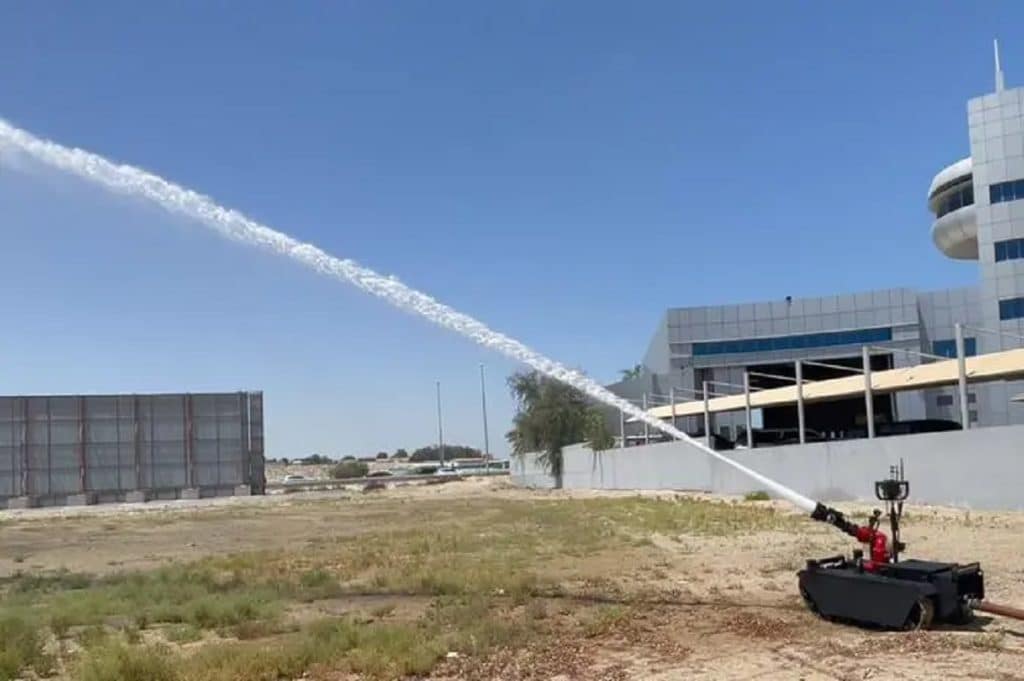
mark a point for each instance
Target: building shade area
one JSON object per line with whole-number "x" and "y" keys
{"x": 833, "y": 419}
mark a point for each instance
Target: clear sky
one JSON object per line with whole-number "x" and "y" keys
{"x": 565, "y": 171}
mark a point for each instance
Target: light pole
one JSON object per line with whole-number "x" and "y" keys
{"x": 483, "y": 407}
{"x": 440, "y": 429}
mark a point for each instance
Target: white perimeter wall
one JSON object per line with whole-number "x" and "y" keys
{"x": 981, "y": 468}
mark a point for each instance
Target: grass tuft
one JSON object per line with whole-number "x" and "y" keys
{"x": 21, "y": 648}
{"x": 117, "y": 661}
{"x": 602, "y": 620}
{"x": 183, "y": 633}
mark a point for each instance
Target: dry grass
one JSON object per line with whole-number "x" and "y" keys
{"x": 486, "y": 565}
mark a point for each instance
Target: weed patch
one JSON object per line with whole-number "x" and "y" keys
{"x": 21, "y": 647}
{"x": 117, "y": 661}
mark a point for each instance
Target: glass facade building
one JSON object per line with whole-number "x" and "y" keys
{"x": 977, "y": 214}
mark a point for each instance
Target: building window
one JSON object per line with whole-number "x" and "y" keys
{"x": 807, "y": 340}
{"x": 972, "y": 416}
{"x": 1011, "y": 249}
{"x": 1011, "y": 308}
{"x": 1006, "y": 191}
{"x": 963, "y": 196}
{"x": 947, "y": 348}
{"x": 947, "y": 400}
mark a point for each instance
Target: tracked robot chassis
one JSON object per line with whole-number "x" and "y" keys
{"x": 880, "y": 590}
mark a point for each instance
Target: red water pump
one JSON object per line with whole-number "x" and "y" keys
{"x": 881, "y": 552}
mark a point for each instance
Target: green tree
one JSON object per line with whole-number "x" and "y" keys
{"x": 400, "y": 454}
{"x": 549, "y": 416}
{"x": 628, "y": 374}
{"x": 433, "y": 453}
{"x": 349, "y": 469}
{"x": 598, "y": 436}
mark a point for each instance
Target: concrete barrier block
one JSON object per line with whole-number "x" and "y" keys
{"x": 138, "y": 496}
{"x": 243, "y": 491}
{"x": 86, "y": 499}
{"x": 21, "y": 502}
{"x": 190, "y": 493}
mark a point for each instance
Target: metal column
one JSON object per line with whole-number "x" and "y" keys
{"x": 137, "y": 443}
{"x": 707, "y": 417}
{"x": 622, "y": 429}
{"x": 961, "y": 362}
{"x": 647, "y": 426}
{"x": 27, "y": 483}
{"x": 749, "y": 415}
{"x": 672, "y": 399}
{"x": 869, "y": 401}
{"x": 483, "y": 407}
{"x": 800, "y": 401}
{"x": 440, "y": 429}
{"x": 190, "y": 458}
{"x": 83, "y": 464}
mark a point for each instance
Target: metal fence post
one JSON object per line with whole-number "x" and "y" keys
{"x": 440, "y": 429}
{"x": 83, "y": 464}
{"x": 190, "y": 460}
{"x": 647, "y": 426}
{"x": 483, "y": 408}
{"x": 800, "y": 422}
{"x": 746, "y": 404}
{"x": 707, "y": 417}
{"x": 622, "y": 429}
{"x": 869, "y": 401}
{"x": 672, "y": 399}
{"x": 961, "y": 361}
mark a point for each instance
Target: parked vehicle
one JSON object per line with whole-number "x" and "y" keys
{"x": 773, "y": 437}
{"x": 908, "y": 427}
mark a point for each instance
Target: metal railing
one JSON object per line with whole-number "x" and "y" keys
{"x": 705, "y": 393}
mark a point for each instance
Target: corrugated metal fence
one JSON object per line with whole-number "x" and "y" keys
{"x": 97, "y": 448}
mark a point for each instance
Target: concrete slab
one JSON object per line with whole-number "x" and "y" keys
{"x": 21, "y": 502}
{"x": 139, "y": 496}
{"x": 243, "y": 491}
{"x": 190, "y": 493}
{"x": 86, "y": 499}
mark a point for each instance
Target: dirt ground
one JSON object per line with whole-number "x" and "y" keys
{"x": 698, "y": 605}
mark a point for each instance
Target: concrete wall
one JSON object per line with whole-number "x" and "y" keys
{"x": 57, "y": 449}
{"x": 980, "y": 468}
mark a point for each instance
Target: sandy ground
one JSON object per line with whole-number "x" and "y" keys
{"x": 728, "y": 607}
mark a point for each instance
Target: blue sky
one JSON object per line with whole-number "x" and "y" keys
{"x": 563, "y": 170}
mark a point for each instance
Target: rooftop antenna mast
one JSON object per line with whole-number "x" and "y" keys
{"x": 1000, "y": 84}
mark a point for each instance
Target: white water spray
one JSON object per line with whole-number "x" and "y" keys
{"x": 234, "y": 225}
